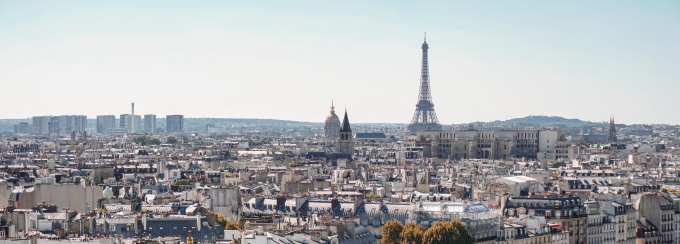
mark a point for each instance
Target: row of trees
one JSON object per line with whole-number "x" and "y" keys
{"x": 455, "y": 232}
{"x": 148, "y": 140}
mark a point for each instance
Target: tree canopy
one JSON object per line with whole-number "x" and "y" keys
{"x": 171, "y": 140}
{"x": 228, "y": 225}
{"x": 146, "y": 140}
{"x": 411, "y": 234}
{"x": 453, "y": 232}
{"x": 182, "y": 182}
{"x": 391, "y": 232}
{"x": 75, "y": 147}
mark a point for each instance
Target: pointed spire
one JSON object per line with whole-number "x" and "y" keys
{"x": 425, "y": 46}
{"x": 345, "y": 123}
{"x": 332, "y": 107}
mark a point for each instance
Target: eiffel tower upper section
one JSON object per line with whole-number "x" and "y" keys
{"x": 424, "y": 117}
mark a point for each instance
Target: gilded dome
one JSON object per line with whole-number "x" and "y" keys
{"x": 332, "y": 124}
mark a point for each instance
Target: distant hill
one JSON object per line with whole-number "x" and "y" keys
{"x": 545, "y": 121}
{"x": 235, "y": 122}
{"x": 200, "y": 123}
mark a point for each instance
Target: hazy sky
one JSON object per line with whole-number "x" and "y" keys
{"x": 489, "y": 60}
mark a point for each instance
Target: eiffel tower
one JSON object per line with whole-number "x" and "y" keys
{"x": 424, "y": 117}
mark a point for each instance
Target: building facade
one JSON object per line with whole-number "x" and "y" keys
{"x": 22, "y": 128}
{"x": 568, "y": 214}
{"x": 105, "y": 123}
{"x": 479, "y": 219}
{"x": 174, "y": 123}
{"x": 150, "y": 123}
{"x": 70, "y": 123}
{"x": 41, "y": 124}
{"x": 65, "y": 124}
{"x": 501, "y": 144}
{"x": 132, "y": 123}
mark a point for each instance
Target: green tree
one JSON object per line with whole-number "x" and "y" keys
{"x": 234, "y": 225}
{"x": 75, "y": 148}
{"x": 558, "y": 164}
{"x": 182, "y": 182}
{"x": 411, "y": 234}
{"x": 372, "y": 196}
{"x": 391, "y": 231}
{"x": 139, "y": 140}
{"x": 146, "y": 140}
{"x": 228, "y": 225}
{"x": 453, "y": 232}
{"x": 171, "y": 140}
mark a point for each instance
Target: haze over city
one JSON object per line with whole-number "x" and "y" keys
{"x": 490, "y": 60}
{"x": 338, "y": 122}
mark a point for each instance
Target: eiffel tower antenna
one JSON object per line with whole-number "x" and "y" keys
{"x": 424, "y": 118}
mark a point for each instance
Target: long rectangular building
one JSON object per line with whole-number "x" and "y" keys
{"x": 65, "y": 124}
{"x": 501, "y": 144}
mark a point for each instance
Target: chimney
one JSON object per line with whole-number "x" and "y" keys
{"x": 340, "y": 230}
{"x": 280, "y": 202}
{"x": 335, "y": 204}
{"x": 504, "y": 199}
{"x": 132, "y": 120}
{"x": 349, "y": 228}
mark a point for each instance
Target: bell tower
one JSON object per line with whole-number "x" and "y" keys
{"x": 612, "y": 130}
{"x": 345, "y": 143}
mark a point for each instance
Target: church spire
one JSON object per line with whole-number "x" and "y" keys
{"x": 612, "y": 130}
{"x": 345, "y": 143}
{"x": 345, "y": 124}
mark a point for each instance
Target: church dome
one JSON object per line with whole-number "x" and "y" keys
{"x": 332, "y": 125}
{"x": 332, "y": 117}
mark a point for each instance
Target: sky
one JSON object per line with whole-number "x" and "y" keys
{"x": 489, "y": 60}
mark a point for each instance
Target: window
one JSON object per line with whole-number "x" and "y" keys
{"x": 521, "y": 211}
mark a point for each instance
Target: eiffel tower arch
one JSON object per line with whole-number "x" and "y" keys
{"x": 424, "y": 118}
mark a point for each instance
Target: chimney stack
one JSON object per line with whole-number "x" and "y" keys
{"x": 132, "y": 119}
